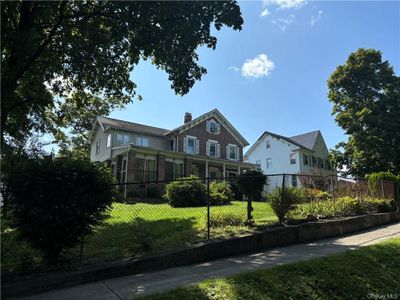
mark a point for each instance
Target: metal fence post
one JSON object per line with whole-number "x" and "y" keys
{"x": 81, "y": 250}
{"x": 333, "y": 193}
{"x": 282, "y": 193}
{"x": 208, "y": 209}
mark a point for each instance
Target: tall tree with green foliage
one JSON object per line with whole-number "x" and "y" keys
{"x": 63, "y": 62}
{"x": 365, "y": 93}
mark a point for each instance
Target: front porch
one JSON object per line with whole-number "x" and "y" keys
{"x": 137, "y": 165}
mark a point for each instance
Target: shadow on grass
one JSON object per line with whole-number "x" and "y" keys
{"x": 138, "y": 237}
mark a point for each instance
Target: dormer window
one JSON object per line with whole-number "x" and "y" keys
{"x": 213, "y": 126}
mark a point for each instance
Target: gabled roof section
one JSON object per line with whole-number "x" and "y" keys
{"x": 216, "y": 114}
{"x": 307, "y": 140}
{"x": 106, "y": 122}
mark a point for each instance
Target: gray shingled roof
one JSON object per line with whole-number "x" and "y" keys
{"x": 129, "y": 126}
{"x": 306, "y": 140}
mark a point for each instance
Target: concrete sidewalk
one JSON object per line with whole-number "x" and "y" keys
{"x": 147, "y": 283}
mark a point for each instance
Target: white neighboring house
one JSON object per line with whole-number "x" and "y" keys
{"x": 301, "y": 154}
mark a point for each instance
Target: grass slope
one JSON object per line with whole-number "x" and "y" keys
{"x": 137, "y": 229}
{"x": 365, "y": 273}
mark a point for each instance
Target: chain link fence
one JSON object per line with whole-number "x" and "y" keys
{"x": 142, "y": 220}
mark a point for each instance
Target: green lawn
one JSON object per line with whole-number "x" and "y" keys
{"x": 136, "y": 229}
{"x": 367, "y": 273}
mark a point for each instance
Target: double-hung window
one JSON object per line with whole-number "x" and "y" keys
{"x": 268, "y": 144}
{"x": 258, "y": 164}
{"x": 293, "y": 158}
{"x": 232, "y": 152}
{"x": 269, "y": 163}
{"x": 142, "y": 141}
{"x": 191, "y": 145}
{"x": 145, "y": 169}
{"x": 213, "y": 149}
{"x": 123, "y": 138}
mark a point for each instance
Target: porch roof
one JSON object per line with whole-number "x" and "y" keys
{"x": 182, "y": 155}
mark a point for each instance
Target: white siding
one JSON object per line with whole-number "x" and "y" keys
{"x": 105, "y": 153}
{"x": 279, "y": 152}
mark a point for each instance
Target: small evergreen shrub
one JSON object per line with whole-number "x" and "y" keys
{"x": 291, "y": 197}
{"x": 220, "y": 193}
{"x": 186, "y": 192}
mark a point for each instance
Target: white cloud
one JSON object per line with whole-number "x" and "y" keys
{"x": 233, "y": 68}
{"x": 265, "y": 13}
{"x": 315, "y": 19}
{"x": 258, "y": 67}
{"x": 285, "y": 4}
{"x": 283, "y": 23}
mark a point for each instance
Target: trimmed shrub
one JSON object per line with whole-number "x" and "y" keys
{"x": 56, "y": 201}
{"x": 186, "y": 192}
{"x": 291, "y": 197}
{"x": 220, "y": 193}
{"x": 226, "y": 219}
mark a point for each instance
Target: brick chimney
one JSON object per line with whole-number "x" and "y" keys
{"x": 187, "y": 118}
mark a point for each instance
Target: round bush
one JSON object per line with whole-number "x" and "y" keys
{"x": 56, "y": 201}
{"x": 186, "y": 192}
{"x": 220, "y": 193}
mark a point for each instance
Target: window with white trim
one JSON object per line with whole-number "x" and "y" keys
{"x": 258, "y": 164}
{"x": 191, "y": 145}
{"x": 292, "y": 158}
{"x": 232, "y": 152}
{"x": 109, "y": 140}
{"x": 268, "y": 144}
{"x": 269, "y": 163}
{"x": 212, "y": 126}
{"x": 142, "y": 141}
{"x": 212, "y": 148}
{"x": 123, "y": 139}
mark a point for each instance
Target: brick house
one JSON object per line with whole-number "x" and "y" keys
{"x": 207, "y": 146}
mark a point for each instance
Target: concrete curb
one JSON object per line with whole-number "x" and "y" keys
{"x": 273, "y": 237}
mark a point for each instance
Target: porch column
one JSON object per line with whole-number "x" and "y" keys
{"x": 223, "y": 171}
{"x": 130, "y": 173}
{"x": 188, "y": 167}
{"x": 130, "y": 168}
{"x": 207, "y": 175}
{"x": 160, "y": 167}
{"x": 118, "y": 167}
{"x": 239, "y": 170}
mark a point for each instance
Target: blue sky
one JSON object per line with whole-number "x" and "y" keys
{"x": 272, "y": 75}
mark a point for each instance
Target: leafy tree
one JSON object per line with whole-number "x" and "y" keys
{"x": 63, "y": 62}
{"x": 56, "y": 201}
{"x": 365, "y": 93}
